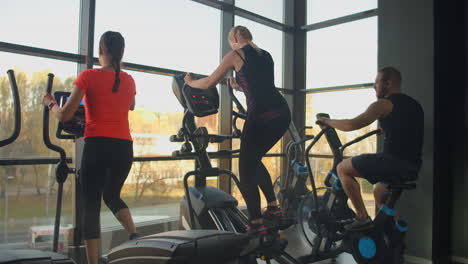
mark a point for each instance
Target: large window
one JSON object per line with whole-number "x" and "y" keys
{"x": 158, "y": 115}
{"x": 319, "y": 10}
{"x": 49, "y": 24}
{"x": 153, "y": 191}
{"x": 273, "y": 166}
{"x": 269, "y": 39}
{"x": 180, "y": 35}
{"x": 342, "y": 55}
{"x": 341, "y": 105}
{"x": 272, "y": 9}
{"x": 28, "y": 197}
{"x": 176, "y": 34}
{"x": 31, "y": 77}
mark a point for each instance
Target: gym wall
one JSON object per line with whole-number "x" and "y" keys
{"x": 459, "y": 95}
{"x": 426, "y": 40}
{"x": 405, "y": 40}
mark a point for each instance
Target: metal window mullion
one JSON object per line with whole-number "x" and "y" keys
{"x": 288, "y": 72}
{"x": 341, "y": 20}
{"x": 299, "y": 62}
{"x": 39, "y": 52}
{"x": 225, "y": 128}
{"x": 338, "y": 88}
{"x": 226, "y": 5}
{"x": 85, "y": 49}
{"x": 261, "y": 19}
{"x": 86, "y": 34}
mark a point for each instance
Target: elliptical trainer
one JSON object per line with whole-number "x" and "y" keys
{"x": 37, "y": 256}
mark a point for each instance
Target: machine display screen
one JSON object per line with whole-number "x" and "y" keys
{"x": 81, "y": 103}
{"x": 76, "y": 125}
{"x": 63, "y": 99}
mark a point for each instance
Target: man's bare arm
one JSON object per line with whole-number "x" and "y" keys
{"x": 376, "y": 110}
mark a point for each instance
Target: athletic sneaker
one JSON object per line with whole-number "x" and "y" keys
{"x": 360, "y": 225}
{"x": 275, "y": 216}
{"x": 259, "y": 229}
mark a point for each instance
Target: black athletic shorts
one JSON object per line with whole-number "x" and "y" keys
{"x": 382, "y": 167}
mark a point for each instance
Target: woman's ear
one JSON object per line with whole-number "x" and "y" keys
{"x": 100, "y": 50}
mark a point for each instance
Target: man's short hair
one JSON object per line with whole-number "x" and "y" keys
{"x": 391, "y": 73}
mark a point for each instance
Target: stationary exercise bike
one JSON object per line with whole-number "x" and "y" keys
{"x": 36, "y": 256}
{"x": 322, "y": 217}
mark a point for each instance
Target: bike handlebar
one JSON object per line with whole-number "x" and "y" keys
{"x": 358, "y": 139}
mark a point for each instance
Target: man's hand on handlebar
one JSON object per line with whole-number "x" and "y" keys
{"x": 322, "y": 122}
{"x": 188, "y": 78}
{"x": 233, "y": 83}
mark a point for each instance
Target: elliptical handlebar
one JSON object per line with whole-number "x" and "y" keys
{"x": 242, "y": 114}
{"x": 212, "y": 138}
{"x": 236, "y": 101}
{"x": 213, "y": 154}
{"x": 238, "y": 115}
{"x": 61, "y": 171}
{"x": 17, "y": 108}
{"x": 45, "y": 122}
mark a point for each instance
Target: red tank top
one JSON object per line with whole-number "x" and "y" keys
{"x": 106, "y": 112}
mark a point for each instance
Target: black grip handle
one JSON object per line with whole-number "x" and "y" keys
{"x": 322, "y": 115}
{"x": 239, "y": 115}
{"x": 319, "y": 115}
{"x": 50, "y": 82}
{"x": 45, "y": 124}
{"x": 17, "y": 109}
{"x": 218, "y": 138}
{"x": 320, "y": 123}
{"x": 176, "y": 138}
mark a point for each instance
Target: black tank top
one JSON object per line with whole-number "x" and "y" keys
{"x": 256, "y": 77}
{"x": 404, "y": 129}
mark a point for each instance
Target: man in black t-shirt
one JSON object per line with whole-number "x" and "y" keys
{"x": 401, "y": 120}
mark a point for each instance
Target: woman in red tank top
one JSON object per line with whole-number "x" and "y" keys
{"x": 108, "y": 94}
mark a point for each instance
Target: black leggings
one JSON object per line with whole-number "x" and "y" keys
{"x": 104, "y": 168}
{"x": 259, "y": 135}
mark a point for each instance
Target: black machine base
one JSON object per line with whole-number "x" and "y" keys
{"x": 181, "y": 247}
{"x": 32, "y": 257}
{"x": 210, "y": 207}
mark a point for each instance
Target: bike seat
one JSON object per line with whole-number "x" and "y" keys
{"x": 403, "y": 186}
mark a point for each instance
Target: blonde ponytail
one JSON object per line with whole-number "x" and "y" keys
{"x": 259, "y": 51}
{"x": 244, "y": 33}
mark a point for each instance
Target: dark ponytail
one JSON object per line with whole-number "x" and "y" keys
{"x": 113, "y": 44}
